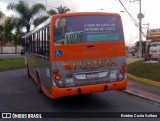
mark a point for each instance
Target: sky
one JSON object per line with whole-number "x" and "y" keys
{"x": 150, "y": 9}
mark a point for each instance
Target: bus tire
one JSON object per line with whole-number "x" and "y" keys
{"x": 38, "y": 83}
{"x": 28, "y": 72}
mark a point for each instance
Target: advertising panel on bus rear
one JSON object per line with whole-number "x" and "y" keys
{"x": 87, "y": 29}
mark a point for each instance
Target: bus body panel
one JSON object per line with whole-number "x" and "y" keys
{"x": 43, "y": 67}
{"x": 89, "y": 71}
{"x": 110, "y": 49}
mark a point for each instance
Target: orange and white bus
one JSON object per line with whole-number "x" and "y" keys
{"x": 77, "y": 53}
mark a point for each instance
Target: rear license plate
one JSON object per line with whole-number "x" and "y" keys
{"x": 92, "y": 76}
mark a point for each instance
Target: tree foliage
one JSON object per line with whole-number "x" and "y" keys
{"x": 143, "y": 46}
{"x": 39, "y": 20}
{"x": 1, "y": 14}
{"x": 58, "y": 10}
{"x": 13, "y": 31}
{"x": 8, "y": 28}
{"x": 1, "y": 26}
{"x": 26, "y": 13}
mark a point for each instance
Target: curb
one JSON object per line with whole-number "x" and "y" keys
{"x": 143, "y": 80}
{"x": 141, "y": 96}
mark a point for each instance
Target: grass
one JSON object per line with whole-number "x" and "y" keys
{"x": 144, "y": 70}
{"x": 11, "y": 63}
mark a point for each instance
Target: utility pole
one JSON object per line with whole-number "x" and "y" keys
{"x": 140, "y": 16}
{"x": 140, "y": 29}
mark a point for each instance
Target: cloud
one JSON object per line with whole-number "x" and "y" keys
{"x": 4, "y": 10}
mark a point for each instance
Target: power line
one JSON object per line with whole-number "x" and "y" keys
{"x": 133, "y": 19}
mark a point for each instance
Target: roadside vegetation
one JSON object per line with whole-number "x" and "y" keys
{"x": 11, "y": 63}
{"x": 144, "y": 70}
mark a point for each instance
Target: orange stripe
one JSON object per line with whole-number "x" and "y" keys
{"x": 103, "y": 50}
{"x": 45, "y": 91}
{"x": 61, "y": 92}
{"x": 33, "y": 77}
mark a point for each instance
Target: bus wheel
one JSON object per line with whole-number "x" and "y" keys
{"x": 28, "y": 72}
{"x": 38, "y": 84}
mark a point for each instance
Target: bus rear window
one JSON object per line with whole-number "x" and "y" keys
{"x": 87, "y": 29}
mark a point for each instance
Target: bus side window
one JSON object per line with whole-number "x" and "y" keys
{"x": 43, "y": 42}
{"x": 26, "y": 45}
{"x": 38, "y": 42}
{"x": 29, "y": 39}
{"x": 34, "y": 41}
{"x": 47, "y": 42}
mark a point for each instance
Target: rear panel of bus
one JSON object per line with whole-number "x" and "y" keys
{"x": 91, "y": 53}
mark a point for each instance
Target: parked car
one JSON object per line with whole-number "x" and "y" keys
{"x": 22, "y": 52}
{"x": 133, "y": 53}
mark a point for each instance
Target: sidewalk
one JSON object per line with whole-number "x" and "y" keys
{"x": 11, "y": 56}
{"x": 145, "y": 91}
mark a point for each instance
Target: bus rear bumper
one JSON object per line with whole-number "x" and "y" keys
{"x": 62, "y": 92}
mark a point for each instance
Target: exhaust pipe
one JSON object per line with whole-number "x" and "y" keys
{"x": 79, "y": 91}
{"x": 105, "y": 88}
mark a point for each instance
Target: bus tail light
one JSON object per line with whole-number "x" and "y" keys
{"x": 124, "y": 65}
{"x": 55, "y": 71}
{"x": 122, "y": 70}
{"x": 57, "y": 77}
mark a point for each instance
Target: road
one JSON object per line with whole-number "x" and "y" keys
{"x": 18, "y": 93}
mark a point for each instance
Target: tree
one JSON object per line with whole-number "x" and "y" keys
{"x": 51, "y": 12}
{"x": 26, "y": 12}
{"x": 38, "y": 21}
{"x": 1, "y": 37}
{"x": 1, "y": 14}
{"x": 58, "y": 10}
{"x": 143, "y": 46}
{"x": 17, "y": 35}
{"x": 13, "y": 31}
{"x": 8, "y": 28}
{"x": 1, "y": 31}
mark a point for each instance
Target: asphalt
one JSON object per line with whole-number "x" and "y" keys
{"x": 145, "y": 90}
